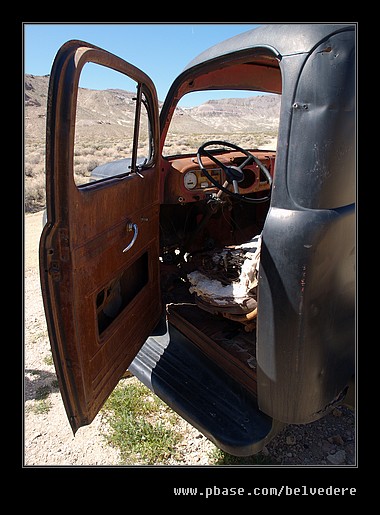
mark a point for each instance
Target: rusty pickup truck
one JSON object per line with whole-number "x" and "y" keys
{"x": 223, "y": 278}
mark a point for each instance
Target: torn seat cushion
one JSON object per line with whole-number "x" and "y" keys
{"x": 225, "y": 281}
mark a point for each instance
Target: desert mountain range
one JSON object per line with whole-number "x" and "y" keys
{"x": 115, "y": 109}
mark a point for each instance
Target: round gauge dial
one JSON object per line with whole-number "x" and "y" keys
{"x": 190, "y": 180}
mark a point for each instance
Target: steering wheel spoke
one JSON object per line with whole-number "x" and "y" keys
{"x": 236, "y": 187}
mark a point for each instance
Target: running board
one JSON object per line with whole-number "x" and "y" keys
{"x": 202, "y": 393}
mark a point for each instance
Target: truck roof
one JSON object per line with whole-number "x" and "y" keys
{"x": 282, "y": 39}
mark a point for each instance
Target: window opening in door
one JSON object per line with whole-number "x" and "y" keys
{"x": 109, "y": 118}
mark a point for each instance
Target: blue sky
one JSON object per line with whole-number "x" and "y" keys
{"x": 160, "y": 50}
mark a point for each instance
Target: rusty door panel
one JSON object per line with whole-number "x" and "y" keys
{"x": 111, "y": 200}
{"x": 96, "y": 267}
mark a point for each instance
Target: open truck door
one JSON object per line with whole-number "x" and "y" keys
{"x": 99, "y": 248}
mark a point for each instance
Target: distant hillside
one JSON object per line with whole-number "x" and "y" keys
{"x": 35, "y": 98}
{"x": 239, "y": 114}
{"x": 114, "y": 108}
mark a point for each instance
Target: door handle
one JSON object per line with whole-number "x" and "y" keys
{"x": 132, "y": 227}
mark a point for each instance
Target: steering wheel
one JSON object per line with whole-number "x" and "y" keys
{"x": 234, "y": 174}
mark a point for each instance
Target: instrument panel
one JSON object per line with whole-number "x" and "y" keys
{"x": 185, "y": 182}
{"x": 196, "y": 179}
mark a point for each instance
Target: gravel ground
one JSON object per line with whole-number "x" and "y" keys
{"x": 48, "y": 440}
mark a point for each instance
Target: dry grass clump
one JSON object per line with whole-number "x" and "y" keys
{"x": 34, "y": 171}
{"x": 185, "y": 143}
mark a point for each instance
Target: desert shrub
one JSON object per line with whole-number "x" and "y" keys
{"x": 91, "y": 165}
{"x": 34, "y": 193}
